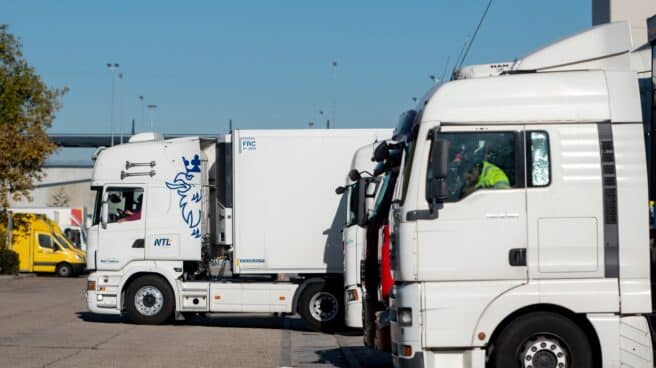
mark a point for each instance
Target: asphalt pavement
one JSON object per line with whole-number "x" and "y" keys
{"x": 44, "y": 322}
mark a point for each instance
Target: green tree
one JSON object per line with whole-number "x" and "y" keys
{"x": 27, "y": 110}
{"x": 60, "y": 198}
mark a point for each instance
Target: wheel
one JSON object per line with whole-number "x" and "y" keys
{"x": 64, "y": 270}
{"x": 321, "y": 306}
{"x": 149, "y": 300}
{"x": 542, "y": 340}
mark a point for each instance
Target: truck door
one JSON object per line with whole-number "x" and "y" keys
{"x": 564, "y": 192}
{"x": 480, "y": 232}
{"x": 122, "y": 240}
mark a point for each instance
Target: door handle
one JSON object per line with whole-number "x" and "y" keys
{"x": 517, "y": 257}
{"x": 501, "y": 215}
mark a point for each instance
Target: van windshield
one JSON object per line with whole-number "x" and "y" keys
{"x": 63, "y": 241}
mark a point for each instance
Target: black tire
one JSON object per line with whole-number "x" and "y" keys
{"x": 540, "y": 337}
{"x": 322, "y": 299}
{"x": 64, "y": 270}
{"x": 156, "y": 303}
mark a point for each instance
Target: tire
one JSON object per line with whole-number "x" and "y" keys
{"x": 322, "y": 306}
{"x": 149, "y": 301}
{"x": 64, "y": 270}
{"x": 544, "y": 339}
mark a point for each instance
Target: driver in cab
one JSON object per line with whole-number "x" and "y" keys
{"x": 484, "y": 175}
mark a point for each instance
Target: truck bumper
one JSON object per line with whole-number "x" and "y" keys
{"x": 79, "y": 268}
{"x": 353, "y": 306}
{"x": 407, "y": 348}
{"x": 415, "y": 362}
{"x": 99, "y": 302}
{"x": 406, "y": 338}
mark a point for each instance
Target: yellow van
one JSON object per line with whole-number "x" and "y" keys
{"x": 63, "y": 240}
{"x": 42, "y": 247}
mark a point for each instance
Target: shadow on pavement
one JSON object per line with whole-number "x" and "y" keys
{"x": 232, "y": 320}
{"x": 366, "y": 357}
{"x": 334, "y": 357}
{"x": 370, "y": 358}
{"x": 100, "y": 318}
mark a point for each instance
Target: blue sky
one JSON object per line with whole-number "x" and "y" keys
{"x": 266, "y": 64}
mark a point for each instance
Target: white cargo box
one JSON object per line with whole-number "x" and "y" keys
{"x": 286, "y": 217}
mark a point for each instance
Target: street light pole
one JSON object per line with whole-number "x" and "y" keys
{"x": 334, "y": 117}
{"x": 120, "y": 105}
{"x": 113, "y": 68}
{"x": 151, "y": 109}
{"x": 143, "y": 119}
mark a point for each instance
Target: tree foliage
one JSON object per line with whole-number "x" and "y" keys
{"x": 60, "y": 198}
{"x": 27, "y": 110}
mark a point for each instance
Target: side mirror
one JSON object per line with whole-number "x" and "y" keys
{"x": 340, "y": 190}
{"x": 104, "y": 211}
{"x": 354, "y": 175}
{"x": 381, "y": 152}
{"x": 439, "y": 164}
{"x": 88, "y": 222}
{"x": 436, "y": 185}
{"x": 114, "y": 198}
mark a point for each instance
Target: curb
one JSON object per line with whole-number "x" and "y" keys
{"x": 16, "y": 277}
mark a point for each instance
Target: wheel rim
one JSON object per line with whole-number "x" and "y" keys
{"x": 324, "y": 306}
{"x": 64, "y": 271}
{"x": 149, "y": 300}
{"x": 545, "y": 352}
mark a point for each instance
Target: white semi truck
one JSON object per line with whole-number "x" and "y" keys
{"x": 521, "y": 233}
{"x": 242, "y": 223}
{"x": 369, "y": 187}
{"x": 357, "y": 191}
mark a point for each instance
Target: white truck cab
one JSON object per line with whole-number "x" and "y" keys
{"x": 359, "y": 190}
{"x": 245, "y": 222}
{"x": 521, "y": 218}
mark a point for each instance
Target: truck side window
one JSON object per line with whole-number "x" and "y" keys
{"x": 124, "y": 204}
{"x": 45, "y": 241}
{"x": 481, "y": 160}
{"x": 539, "y": 164}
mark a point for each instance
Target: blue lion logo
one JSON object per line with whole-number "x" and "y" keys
{"x": 190, "y": 205}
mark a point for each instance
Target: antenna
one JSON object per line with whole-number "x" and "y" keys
{"x": 445, "y": 67}
{"x": 455, "y": 66}
{"x": 464, "y": 56}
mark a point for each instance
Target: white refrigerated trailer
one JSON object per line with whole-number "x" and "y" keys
{"x": 243, "y": 223}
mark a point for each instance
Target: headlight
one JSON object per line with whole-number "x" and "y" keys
{"x": 404, "y": 316}
{"x": 395, "y": 292}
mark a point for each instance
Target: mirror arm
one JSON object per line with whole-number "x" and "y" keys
{"x": 430, "y": 214}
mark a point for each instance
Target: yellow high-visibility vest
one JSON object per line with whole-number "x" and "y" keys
{"x": 492, "y": 177}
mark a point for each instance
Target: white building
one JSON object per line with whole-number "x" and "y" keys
{"x": 635, "y": 12}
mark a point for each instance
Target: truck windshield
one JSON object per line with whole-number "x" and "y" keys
{"x": 408, "y": 155}
{"x": 352, "y": 204}
{"x": 97, "y": 205}
{"x": 406, "y": 134}
{"x": 380, "y": 194}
